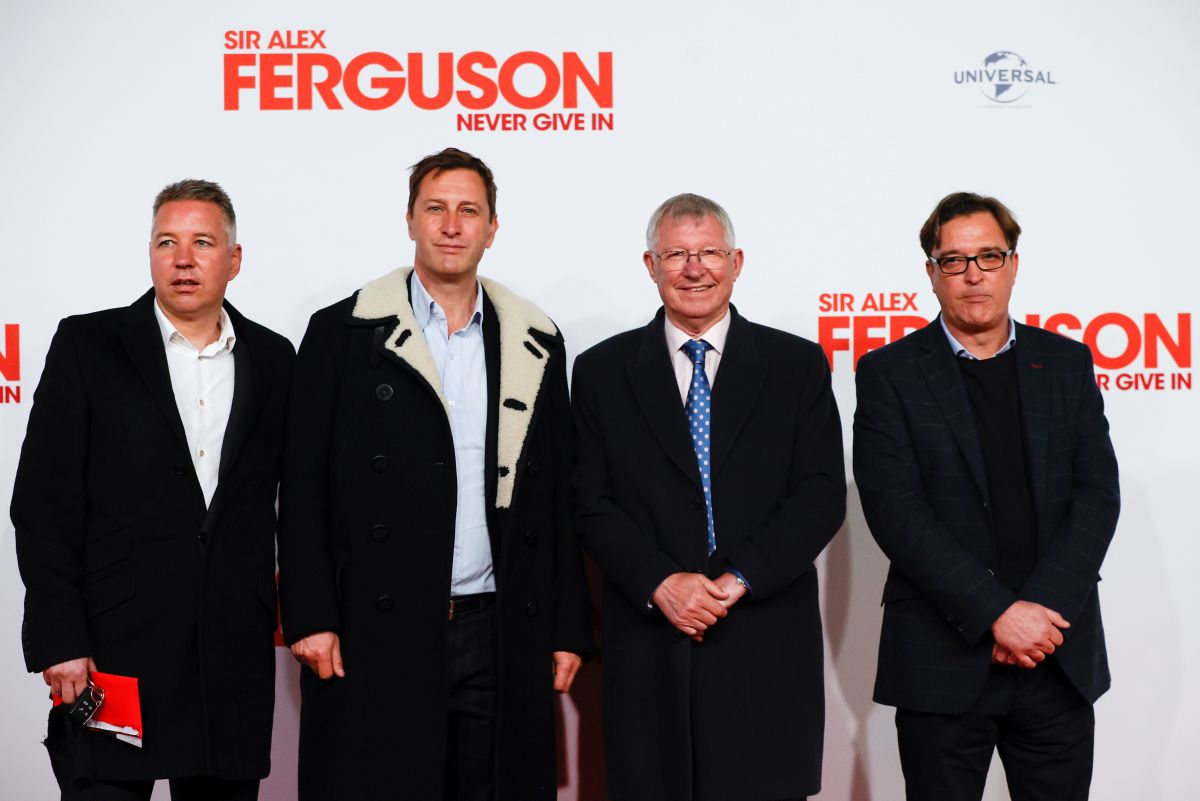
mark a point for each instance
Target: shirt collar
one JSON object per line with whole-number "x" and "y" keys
{"x": 715, "y": 336}
{"x": 225, "y": 340}
{"x": 963, "y": 353}
{"x": 426, "y": 309}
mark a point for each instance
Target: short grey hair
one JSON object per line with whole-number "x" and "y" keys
{"x": 201, "y": 190}
{"x": 696, "y": 207}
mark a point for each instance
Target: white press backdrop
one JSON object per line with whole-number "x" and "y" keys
{"x": 827, "y": 130}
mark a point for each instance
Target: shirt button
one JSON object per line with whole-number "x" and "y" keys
{"x": 202, "y": 401}
{"x": 451, "y": 404}
{"x": 202, "y": 453}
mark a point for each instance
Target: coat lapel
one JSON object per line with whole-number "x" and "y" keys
{"x": 652, "y": 380}
{"x": 526, "y": 337}
{"x": 946, "y": 385}
{"x": 384, "y": 303}
{"x": 143, "y": 342}
{"x": 1032, "y": 379}
{"x": 242, "y": 413}
{"x": 740, "y": 379}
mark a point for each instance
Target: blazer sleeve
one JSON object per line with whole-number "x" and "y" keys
{"x": 49, "y": 510}
{"x": 1067, "y": 571}
{"x": 894, "y": 499}
{"x": 814, "y": 508}
{"x": 572, "y": 601}
{"x": 307, "y": 586}
{"x": 630, "y": 559}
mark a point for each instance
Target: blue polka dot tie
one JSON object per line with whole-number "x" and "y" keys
{"x": 699, "y": 415}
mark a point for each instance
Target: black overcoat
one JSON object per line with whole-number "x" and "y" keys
{"x": 366, "y": 538}
{"x": 122, "y": 561}
{"x": 741, "y": 715}
{"x": 920, "y": 471}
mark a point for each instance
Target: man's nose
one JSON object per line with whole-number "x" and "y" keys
{"x": 692, "y": 268}
{"x": 183, "y": 255}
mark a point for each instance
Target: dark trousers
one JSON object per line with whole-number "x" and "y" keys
{"x": 1042, "y": 727}
{"x": 198, "y": 788}
{"x": 471, "y": 666}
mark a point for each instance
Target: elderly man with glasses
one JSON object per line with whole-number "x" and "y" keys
{"x": 708, "y": 477}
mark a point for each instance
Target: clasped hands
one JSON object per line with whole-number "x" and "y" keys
{"x": 1026, "y": 634}
{"x": 693, "y": 603}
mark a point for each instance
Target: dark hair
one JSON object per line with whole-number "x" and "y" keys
{"x": 205, "y": 191}
{"x": 961, "y": 204}
{"x": 451, "y": 159}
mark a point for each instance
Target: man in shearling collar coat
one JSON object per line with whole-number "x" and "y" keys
{"x": 429, "y": 576}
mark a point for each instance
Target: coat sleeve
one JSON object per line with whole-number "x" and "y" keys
{"x": 572, "y": 600}
{"x": 1067, "y": 571}
{"x": 49, "y": 510}
{"x": 629, "y": 558}
{"x": 307, "y": 586}
{"x": 813, "y": 509}
{"x": 919, "y": 545}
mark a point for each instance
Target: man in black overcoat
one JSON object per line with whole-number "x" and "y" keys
{"x": 144, "y": 510}
{"x": 708, "y": 477}
{"x": 982, "y": 455}
{"x": 429, "y": 575}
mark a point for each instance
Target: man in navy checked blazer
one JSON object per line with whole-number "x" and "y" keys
{"x": 987, "y": 476}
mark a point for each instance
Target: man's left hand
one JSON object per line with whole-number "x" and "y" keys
{"x": 729, "y": 583}
{"x": 566, "y": 665}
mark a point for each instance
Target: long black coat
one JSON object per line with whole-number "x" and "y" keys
{"x": 366, "y": 538}
{"x": 122, "y": 561}
{"x": 920, "y": 472}
{"x": 741, "y": 715}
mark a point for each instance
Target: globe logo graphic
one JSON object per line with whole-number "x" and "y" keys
{"x": 998, "y": 86}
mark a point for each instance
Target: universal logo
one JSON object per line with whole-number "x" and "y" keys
{"x": 1004, "y": 77}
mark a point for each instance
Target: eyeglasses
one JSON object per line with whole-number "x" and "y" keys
{"x": 957, "y": 265}
{"x": 677, "y": 258}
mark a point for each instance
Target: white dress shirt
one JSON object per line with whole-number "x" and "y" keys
{"x": 681, "y": 363}
{"x": 203, "y": 385}
{"x": 460, "y": 360}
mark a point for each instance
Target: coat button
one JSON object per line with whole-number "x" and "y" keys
{"x": 532, "y": 467}
{"x": 380, "y": 464}
{"x": 531, "y": 608}
{"x": 384, "y": 392}
{"x": 379, "y": 533}
{"x": 179, "y": 470}
{"x": 531, "y": 538}
{"x": 203, "y": 537}
{"x": 696, "y": 505}
{"x": 677, "y": 635}
{"x": 384, "y": 603}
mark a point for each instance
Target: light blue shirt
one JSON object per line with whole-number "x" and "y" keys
{"x": 961, "y": 352}
{"x": 460, "y": 361}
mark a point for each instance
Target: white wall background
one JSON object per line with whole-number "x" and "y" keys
{"x": 827, "y": 130}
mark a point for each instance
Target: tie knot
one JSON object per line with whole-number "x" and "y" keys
{"x": 695, "y": 349}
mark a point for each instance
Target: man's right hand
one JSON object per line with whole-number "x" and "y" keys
{"x": 691, "y": 602}
{"x": 1029, "y": 631}
{"x": 322, "y": 653}
{"x": 69, "y": 679}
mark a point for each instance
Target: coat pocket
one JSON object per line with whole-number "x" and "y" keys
{"x": 106, "y": 550}
{"x": 108, "y": 590}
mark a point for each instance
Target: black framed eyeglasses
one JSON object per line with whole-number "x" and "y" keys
{"x": 957, "y": 265}
{"x": 677, "y": 258}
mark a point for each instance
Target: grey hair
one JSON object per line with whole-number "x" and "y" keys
{"x": 689, "y": 205}
{"x": 204, "y": 191}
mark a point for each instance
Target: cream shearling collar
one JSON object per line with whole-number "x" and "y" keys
{"x": 523, "y": 359}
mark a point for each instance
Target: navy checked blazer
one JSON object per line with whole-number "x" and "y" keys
{"x": 920, "y": 473}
